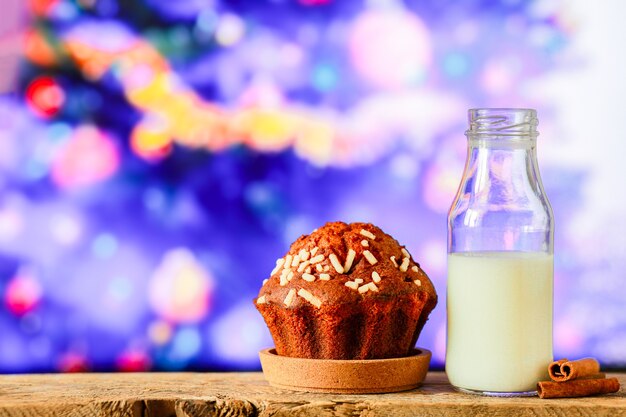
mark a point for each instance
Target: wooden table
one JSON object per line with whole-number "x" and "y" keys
{"x": 247, "y": 394}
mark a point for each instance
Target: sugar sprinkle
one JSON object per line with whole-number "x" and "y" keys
{"x": 349, "y": 260}
{"x": 290, "y": 296}
{"x": 325, "y": 277}
{"x": 405, "y": 264}
{"x": 316, "y": 259}
{"x": 370, "y": 258}
{"x": 308, "y": 277}
{"x": 352, "y": 284}
{"x": 375, "y": 277}
{"x": 303, "y": 266}
{"x": 364, "y": 288}
{"x": 367, "y": 234}
{"x": 335, "y": 262}
{"x": 279, "y": 263}
{"x": 310, "y": 297}
{"x": 261, "y": 300}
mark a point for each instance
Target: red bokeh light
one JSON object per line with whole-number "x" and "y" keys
{"x": 22, "y": 294}
{"x": 41, "y": 7}
{"x": 73, "y": 362}
{"x": 133, "y": 361}
{"x": 44, "y": 96}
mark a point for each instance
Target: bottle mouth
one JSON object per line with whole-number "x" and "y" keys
{"x": 502, "y": 122}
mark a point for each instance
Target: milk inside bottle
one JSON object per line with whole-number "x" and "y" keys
{"x": 499, "y": 320}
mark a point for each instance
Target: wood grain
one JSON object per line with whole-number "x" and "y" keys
{"x": 247, "y": 394}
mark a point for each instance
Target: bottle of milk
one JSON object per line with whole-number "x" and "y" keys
{"x": 500, "y": 260}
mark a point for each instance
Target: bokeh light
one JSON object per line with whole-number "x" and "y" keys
{"x": 238, "y": 335}
{"x": 390, "y": 48}
{"x": 180, "y": 288}
{"x": 38, "y": 50}
{"x": 45, "y": 96}
{"x": 230, "y": 29}
{"x": 23, "y": 292}
{"x": 66, "y": 228}
{"x": 133, "y": 360}
{"x": 88, "y": 157}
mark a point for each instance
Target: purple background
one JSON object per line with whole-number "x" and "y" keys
{"x": 157, "y": 157}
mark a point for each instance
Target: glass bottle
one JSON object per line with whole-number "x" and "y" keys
{"x": 500, "y": 260}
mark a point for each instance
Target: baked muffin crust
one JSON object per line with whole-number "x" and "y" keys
{"x": 342, "y": 276}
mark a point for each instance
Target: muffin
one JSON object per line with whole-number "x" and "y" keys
{"x": 346, "y": 291}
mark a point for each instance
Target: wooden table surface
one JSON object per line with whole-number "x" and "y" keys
{"x": 247, "y": 394}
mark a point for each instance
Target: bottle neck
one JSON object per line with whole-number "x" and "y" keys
{"x": 509, "y": 171}
{"x": 501, "y": 204}
{"x": 502, "y": 147}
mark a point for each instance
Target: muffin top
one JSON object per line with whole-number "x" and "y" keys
{"x": 343, "y": 263}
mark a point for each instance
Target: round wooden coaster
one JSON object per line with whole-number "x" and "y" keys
{"x": 345, "y": 376}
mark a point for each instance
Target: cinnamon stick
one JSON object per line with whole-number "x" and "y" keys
{"x": 564, "y": 370}
{"x": 577, "y": 388}
{"x": 554, "y": 370}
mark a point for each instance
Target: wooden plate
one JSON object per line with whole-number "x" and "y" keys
{"x": 345, "y": 376}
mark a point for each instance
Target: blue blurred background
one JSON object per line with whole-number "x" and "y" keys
{"x": 156, "y": 157}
